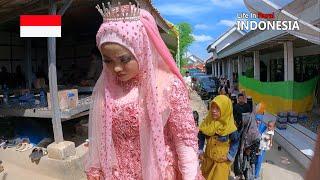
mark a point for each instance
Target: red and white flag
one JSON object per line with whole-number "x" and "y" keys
{"x": 40, "y": 26}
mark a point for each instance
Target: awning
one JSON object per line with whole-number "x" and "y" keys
{"x": 307, "y": 30}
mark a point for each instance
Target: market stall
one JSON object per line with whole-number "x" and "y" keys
{"x": 81, "y": 109}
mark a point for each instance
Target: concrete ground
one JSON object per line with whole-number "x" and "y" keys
{"x": 18, "y": 166}
{"x": 198, "y": 105}
{"x": 277, "y": 165}
{"x": 14, "y": 172}
{"x": 281, "y": 165}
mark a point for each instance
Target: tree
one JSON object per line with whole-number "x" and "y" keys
{"x": 186, "y": 39}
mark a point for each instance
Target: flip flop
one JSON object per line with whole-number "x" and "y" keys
{"x": 32, "y": 154}
{"x": 3, "y": 142}
{"x": 27, "y": 147}
{"x": 13, "y": 143}
{"x": 5, "y": 146}
{"x": 20, "y": 146}
{"x": 37, "y": 154}
{"x": 20, "y": 143}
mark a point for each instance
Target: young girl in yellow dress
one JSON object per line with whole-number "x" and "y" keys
{"x": 222, "y": 139}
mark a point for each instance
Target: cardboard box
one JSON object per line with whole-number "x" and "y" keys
{"x": 39, "y": 83}
{"x": 68, "y": 99}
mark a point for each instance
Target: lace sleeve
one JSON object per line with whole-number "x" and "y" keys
{"x": 181, "y": 121}
{"x": 94, "y": 173}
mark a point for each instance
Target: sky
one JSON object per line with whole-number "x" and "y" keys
{"x": 209, "y": 18}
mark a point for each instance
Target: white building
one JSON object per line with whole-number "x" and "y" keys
{"x": 227, "y": 38}
{"x": 275, "y": 55}
{"x": 193, "y": 59}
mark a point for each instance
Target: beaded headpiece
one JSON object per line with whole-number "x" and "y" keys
{"x": 119, "y": 13}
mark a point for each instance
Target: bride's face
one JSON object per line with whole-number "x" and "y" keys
{"x": 120, "y": 61}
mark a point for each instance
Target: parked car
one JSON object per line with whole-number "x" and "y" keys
{"x": 193, "y": 71}
{"x": 195, "y": 77}
{"x": 207, "y": 87}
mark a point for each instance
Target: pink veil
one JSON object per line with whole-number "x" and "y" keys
{"x": 156, "y": 67}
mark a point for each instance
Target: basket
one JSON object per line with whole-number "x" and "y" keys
{"x": 281, "y": 126}
{"x": 302, "y": 117}
{"x": 293, "y": 120}
{"x": 282, "y": 119}
{"x": 293, "y": 117}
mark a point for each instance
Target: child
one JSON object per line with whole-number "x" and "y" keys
{"x": 196, "y": 117}
{"x": 265, "y": 145}
{"x": 221, "y": 137}
{"x": 259, "y": 112}
{"x": 201, "y": 137}
{"x": 266, "y": 137}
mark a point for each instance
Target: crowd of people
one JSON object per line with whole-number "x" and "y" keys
{"x": 233, "y": 134}
{"x": 141, "y": 124}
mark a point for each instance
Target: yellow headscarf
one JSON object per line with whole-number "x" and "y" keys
{"x": 225, "y": 124}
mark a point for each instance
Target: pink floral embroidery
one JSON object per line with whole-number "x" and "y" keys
{"x": 125, "y": 133}
{"x": 181, "y": 121}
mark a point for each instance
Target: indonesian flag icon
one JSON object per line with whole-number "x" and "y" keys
{"x": 40, "y": 26}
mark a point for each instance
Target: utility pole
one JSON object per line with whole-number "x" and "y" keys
{"x": 178, "y": 49}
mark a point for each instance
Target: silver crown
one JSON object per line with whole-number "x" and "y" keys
{"x": 118, "y": 12}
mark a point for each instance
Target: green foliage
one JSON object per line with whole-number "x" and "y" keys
{"x": 185, "y": 38}
{"x": 183, "y": 71}
{"x": 183, "y": 62}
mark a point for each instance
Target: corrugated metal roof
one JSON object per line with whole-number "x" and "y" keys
{"x": 12, "y": 9}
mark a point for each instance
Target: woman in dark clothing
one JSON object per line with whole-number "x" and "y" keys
{"x": 238, "y": 109}
{"x": 249, "y": 145}
{"x": 223, "y": 90}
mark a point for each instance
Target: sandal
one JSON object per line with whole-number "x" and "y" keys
{"x": 12, "y": 143}
{"x": 3, "y": 143}
{"x": 34, "y": 154}
{"x": 20, "y": 146}
{"x": 27, "y": 147}
{"x": 37, "y": 153}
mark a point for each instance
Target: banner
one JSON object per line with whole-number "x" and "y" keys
{"x": 281, "y": 96}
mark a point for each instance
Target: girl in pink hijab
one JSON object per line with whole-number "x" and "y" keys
{"x": 141, "y": 124}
